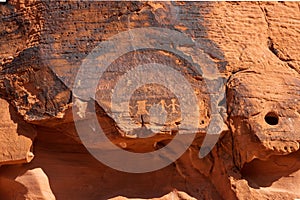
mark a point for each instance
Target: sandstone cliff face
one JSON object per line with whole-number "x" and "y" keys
{"x": 254, "y": 47}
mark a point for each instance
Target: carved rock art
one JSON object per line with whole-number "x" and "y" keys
{"x": 254, "y": 48}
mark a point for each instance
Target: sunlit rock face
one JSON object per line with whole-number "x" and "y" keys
{"x": 238, "y": 65}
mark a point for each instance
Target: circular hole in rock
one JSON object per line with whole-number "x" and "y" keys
{"x": 272, "y": 118}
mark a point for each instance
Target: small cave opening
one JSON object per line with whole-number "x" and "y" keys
{"x": 272, "y": 118}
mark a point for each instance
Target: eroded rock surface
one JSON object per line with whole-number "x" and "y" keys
{"x": 254, "y": 47}
{"x": 16, "y": 137}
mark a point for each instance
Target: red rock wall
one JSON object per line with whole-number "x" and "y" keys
{"x": 255, "y": 48}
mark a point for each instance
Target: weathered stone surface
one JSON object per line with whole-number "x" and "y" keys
{"x": 267, "y": 119}
{"x": 32, "y": 184}
{"x": 254, "y": 45}
{"x": 16, "y": 137}
{"x": 176, "y": 195}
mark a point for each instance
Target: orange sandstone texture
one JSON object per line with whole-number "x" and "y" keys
{"x": 255, "y": 47}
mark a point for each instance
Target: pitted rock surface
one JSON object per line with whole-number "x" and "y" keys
{"x": 255, "y": 47}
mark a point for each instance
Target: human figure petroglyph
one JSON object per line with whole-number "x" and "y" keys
{"x": 163, "y": 105}
{"x": 174, "y": 105}
{"x": 142, "y": 108}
